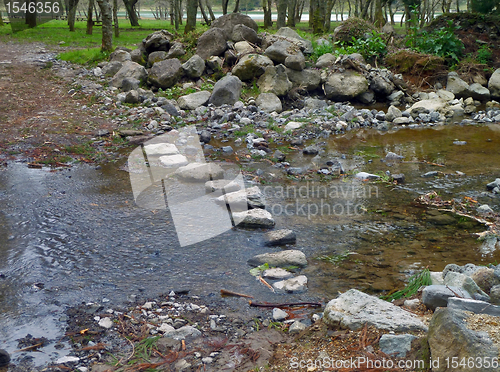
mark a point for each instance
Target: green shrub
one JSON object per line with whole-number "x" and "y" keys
{"x": 320, "y": 49}
{"x": 484, "y": 54}
{"x": 352, "y": 28}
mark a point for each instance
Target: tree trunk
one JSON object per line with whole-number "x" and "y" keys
{"x": 391, "y": 14}
{"x": 266, "y": 6}
{"x": 177, "y": 12}
{"x": 209, "y": 7}
{"x": 172, "y": 12}
{"x": 299, "y": 9}
{"x": 1, "y": 19}
{"x": 132, "y": 14}
{"x": 292, "y": 5}
{"x": 73, "y": 4}
{"x": 30, "y": 17}
{"x": 379, "y": 19}
{"x": 115, "y": 18}
{"x": 191, "y": 10}
{"x": 107, "y": 25}
{"x": 225, "y": 3}
{"x": 281, "y": 21}
{"x": 317, "y": 16}
{"x": 90, "y": 22}
{"x": 328, "y": 16}
{"x": 236, "y": 7}
{"x": 365, "y": 8}
{"x": 203, "y": 13}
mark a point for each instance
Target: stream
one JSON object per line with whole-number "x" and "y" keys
{"x": 75, "y": 235}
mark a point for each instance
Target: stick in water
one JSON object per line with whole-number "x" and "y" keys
{"x": 224, "y": 292}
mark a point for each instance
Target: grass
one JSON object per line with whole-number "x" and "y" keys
{"x": 335, "y": 258}
{"x": 414, "y": 283}
{"x": 90, "y": 56}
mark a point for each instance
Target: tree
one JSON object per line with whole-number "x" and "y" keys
{"x": 191, "y": 10}
{"x": 281, "y": 20}
{"x": 90, "y": 22}
{"x": 30, "y": 16}
{"x": 266, "y": 6}
{"x": 72, "y": 5}
{"x": 485, "y": 6}
{"x": 115, "y": 18}
{"x": 131, "y": 12}
{"x": 107, "y": 25}
{"x": 317, "y": 16}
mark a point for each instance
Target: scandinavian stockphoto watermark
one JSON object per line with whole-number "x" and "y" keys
{"x": 170, "y": 172}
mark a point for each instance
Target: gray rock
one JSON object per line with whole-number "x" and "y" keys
{"x": 243, "y": 47}
{"x": 279, "y": 50}
{"x": 314, "y": 104}
{"x": 4, "y": 358}
{"x": 279, "y": 314}
{"x": 392, "y": 113}
{"x": 401, "y": 120}
{"x": 366, "y": 97}
{"x": 326, "y": 60}
{"x": 277, "y": 273}
{"x": 251, "y": 197}
{"x": 173, "y": 161}
{"x": 308, "y": 79}
{"x": 292, "y": 285}
{"x": 434, "y": 296}
{"x": 129, "y": 69}
{"x": 494, "y": 84}
{"x": 158, "y": 40}
{"x": 291, "y": 34}
{"x": 275, "y": 80}
{"x": 227, "y": 150}
{"x": 269, "y": 102}
{"x": 310, "y": 150}
{"x": 477, "y": 307}
{"x": 290, "y": 257}
{"x": 495, "y": 295}
{"x": 165, "y": 74}
{"x": 485, "y": 278}
{"x": 222, "y": 185}
{"x": 183, "y": 333}
{"x": 430, "y": 174}
{"x": 381, "y": 85}
{"x": 280, "y": 237}
{"x": 193, "y": 100}
{"x": 366, "y": 176}
{"x": 492, "y": 185}
{"x": 199, "y": 172}
{"x": 137, "y": 56}
{"x": 214, "y": 63}
{"x": 129, "y": 84}
{"x": 211, "y": 43}
{"x": 105, "y": 323}
{"x": 157, "y": 56}
{"x": 111, "y": 68}
{"x": 353, "y": 309}
{"x": 478, "y": 92}
{"x": 296, "y": 61}
{"x": 120, "y": 56}
{"x": 132, "y": 97}
{"x": 194, "y": 66}
{"x": 484, "y": 209}
{"x": 450, "y": 337}
{"x": 396, "y": 345}
{"x": 396, "y": 96}
{"x": 176, "y": 50}
{"x": 463, "y": 281}
{"x": 393, "y": 157}
{"x": 254, "y": 218}
{"x": 251, "y": 66}
{"x": 242, "y": 32}
{"x": 398, "y": 178}
{"x": 296, "y": 327}
{"x": 229, "y": 21}
{"x": 341, "y": 86}
{"x": 226, "y": 91}
{"x": 456, "y": 85}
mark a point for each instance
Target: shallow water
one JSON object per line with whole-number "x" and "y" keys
{"x": 76, "y": 235}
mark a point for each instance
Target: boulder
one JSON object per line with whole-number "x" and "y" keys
{"x": 242, "y": 32}
{"x": 132, "y": 97}
{"x": 438, "y": 105}
{"x": 308, "y": 79}
{"x": 165, "y": 74}
{"x": 280, "y": 237}
{"x": 199, "y": 172}
{"x": 485, "y": 278}
{"x": 291, "y": 34}
{"x": 456, "y": 85}
{"x": 475, "y": 306}
{"x": 111, "y": 68}
{"x": 275, "y": 80}
{"x": 314, "y": 104}
{"x": 269, "y": 102}
{"x": 445, "y": 95}
{"x": 228, "y": 22}
{"x": 281, "y": 49}
{"x": 222, "y": 185}
{"x": 381, "y": 86}
{"x": 467, "y": 283}
{"x": 254, "y": 218}
{"x": 176, "y": 50}
{"x": 173, "y": 161}
{"x": 251, "y": 66}
{"x": 129, "y": 69}
{"x": 326, "y": 60}
{"x": 226, "y": 91}
{"x": 342, "y": 86}
{"x": 137, "y": 56}
{"x": 194, "y": 66}
{"x": 450, "y": 336}
{"x": 4, "y": 358}
{"x": 243, "y": 47}
{"x": 434, "y": 296}
{"x": 396, "y": 345}
{"x": 251, "y": 197}
{"x": 158, "y": 40}
{"x": 392, "y": 113}
{"x": 478, "y": 92}
{"x": 193, "y": 100}
{"x": 290, "y": 257}
{"x": 159, "y": 55}
{"x": 494, "y": 84}
{"x": 292, "y": 285}
{"x": 211, "y": 43}
{"x": 129, "y": 84}
{"x": 120, "y": 56}
{"x": 296, "y": 61}
{"x": 353, "y": 309}
{"x": 214, "y": 63}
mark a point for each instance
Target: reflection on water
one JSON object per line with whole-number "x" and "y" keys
{"x": 76, "y": 235}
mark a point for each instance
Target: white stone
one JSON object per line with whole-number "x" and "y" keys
{"x": 279, "y": 314}
{"x": 297, "y": 284}
{"x": 106, "y": 323}
{"x": 67, "y": 359}
{"x": 293, "y": 125}
{"x": 172, "y": 161}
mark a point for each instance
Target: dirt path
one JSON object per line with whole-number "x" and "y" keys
{"x": 41, "y": 117}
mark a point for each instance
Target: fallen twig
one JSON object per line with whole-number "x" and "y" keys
{"x": 261, "y": 279}
{"x": 291, "y": 304}
{"x": 225, "y": 292}
{"x": 29, "y": 348}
